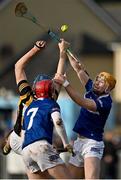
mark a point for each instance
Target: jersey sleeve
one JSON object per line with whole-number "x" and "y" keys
{"x": 25, "y": 91}
{"x": 103, "y": 104}
{"x": 88, "y": 85}
{"x": 26, "y": 97}
{"x": 55, "y": 108}
{"x": 23, "y": 87}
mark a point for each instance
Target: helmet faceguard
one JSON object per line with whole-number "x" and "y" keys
{"x": 110, "y": 80}
{"x": 40, "y": 77}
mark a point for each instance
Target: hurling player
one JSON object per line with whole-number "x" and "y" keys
{"x": 95, "y": 108}
{"x": 40, "y": 117}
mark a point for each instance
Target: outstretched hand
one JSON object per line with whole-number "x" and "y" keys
{"x": 63, "y": 45}
{"x": 59, "y": 78}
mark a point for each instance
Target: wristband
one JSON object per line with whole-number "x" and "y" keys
{"x": 66, "y": 83}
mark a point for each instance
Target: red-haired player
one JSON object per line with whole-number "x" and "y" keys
{"x": 95, "y": 108}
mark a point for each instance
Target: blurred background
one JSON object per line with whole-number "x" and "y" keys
{"x": 95, "y": 36}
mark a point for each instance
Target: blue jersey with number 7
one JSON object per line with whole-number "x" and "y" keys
{"x": 38, "y": 124}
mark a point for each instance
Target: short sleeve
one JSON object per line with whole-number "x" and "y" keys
{"x": 88, "y": 85}
{"x": 103, "y": 104}
{"x": 55, "y": 108}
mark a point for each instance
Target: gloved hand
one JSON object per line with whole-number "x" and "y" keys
{"x": 40, "y": 44}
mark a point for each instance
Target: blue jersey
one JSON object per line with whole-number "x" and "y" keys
{"x": 38, "y": 124}
{"x": 91, "y": 124}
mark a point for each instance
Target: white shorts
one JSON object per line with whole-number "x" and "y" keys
{"x": 84, "y": 148}
{"x": 16, "y": 143}
{"x": 40, "y": 155}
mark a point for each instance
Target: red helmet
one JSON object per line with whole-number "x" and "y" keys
{"x": 44, "y": 89}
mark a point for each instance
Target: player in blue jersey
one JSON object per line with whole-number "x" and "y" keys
{"x": 41, "y": 116}
{"x": 95, "y": 108}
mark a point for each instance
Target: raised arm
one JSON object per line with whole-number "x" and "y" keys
{"x": 21, "y": 63}
{"x": 77, "y": 66}
{"x": 78, "y": 98}
{"x": 80, "y": 70}
{"x": 61, "y": 68}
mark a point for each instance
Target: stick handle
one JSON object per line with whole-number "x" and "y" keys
{"x": 54, "y": 36}
{"x": 57, "y": 39}
{"x": 72, "y": 55}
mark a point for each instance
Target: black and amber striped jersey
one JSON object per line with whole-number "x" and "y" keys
{"x": 26, "y": 97}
